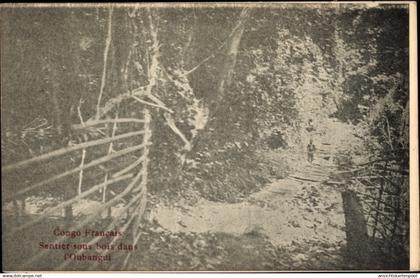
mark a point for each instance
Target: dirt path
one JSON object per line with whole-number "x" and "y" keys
{"x": 297, "y": 209}
{"x": 299, "y": 215}
{"x": 288, "y": 210}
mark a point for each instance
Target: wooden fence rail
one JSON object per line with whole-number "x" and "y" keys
{"x": 124, "y": 184}
{"x": 381, "y": 191}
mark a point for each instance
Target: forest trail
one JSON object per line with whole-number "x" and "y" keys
{"x": 296, "y": 209}
{"x": 288, "y": 210}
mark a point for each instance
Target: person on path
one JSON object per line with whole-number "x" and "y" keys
{"x": 310, "y": 127}
{"x": 311, "y": 150}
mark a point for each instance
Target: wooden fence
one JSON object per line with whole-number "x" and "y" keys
{"x": 381, "y": 189}
{"x": 110, "y": 171}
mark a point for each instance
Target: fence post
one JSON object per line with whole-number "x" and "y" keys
{"x": 396, "y": 213}
{"x": 144, "y": 170}
{"x": 136, "y": 225}
{"x": 378, "y": 205}
{"x": 356, "y": 229}
{"x": 68, "y": 210}
{"x": 146, "y": 142}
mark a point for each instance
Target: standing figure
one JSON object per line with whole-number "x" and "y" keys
{"x": 311, "y": 150}
{"x": 310, "y": 127}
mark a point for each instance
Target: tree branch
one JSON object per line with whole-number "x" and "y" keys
{"x": 106, "y": 50}
{"x": 153, "y": 104}
{"x": 171, "y": 123}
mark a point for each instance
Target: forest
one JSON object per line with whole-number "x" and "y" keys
{"x": 141, "y": 111}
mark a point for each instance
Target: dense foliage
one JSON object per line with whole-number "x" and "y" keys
{"x": 229, "y": 76}
{"x": 223, "y": 85}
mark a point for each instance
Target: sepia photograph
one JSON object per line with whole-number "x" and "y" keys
{"x": 208, "y": 137}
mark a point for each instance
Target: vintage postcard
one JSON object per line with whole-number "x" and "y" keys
{"x": 209, "y": 137}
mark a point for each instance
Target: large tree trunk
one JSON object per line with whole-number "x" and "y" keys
{"x": 230, "y": 61}
{"x": 120, "y": 45}
{"x": 218, "y": 117}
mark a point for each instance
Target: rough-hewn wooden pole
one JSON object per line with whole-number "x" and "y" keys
{"x": 143, "y": 183}
{"x": 356, "y": 229}
{"x": 146, "y": 144}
